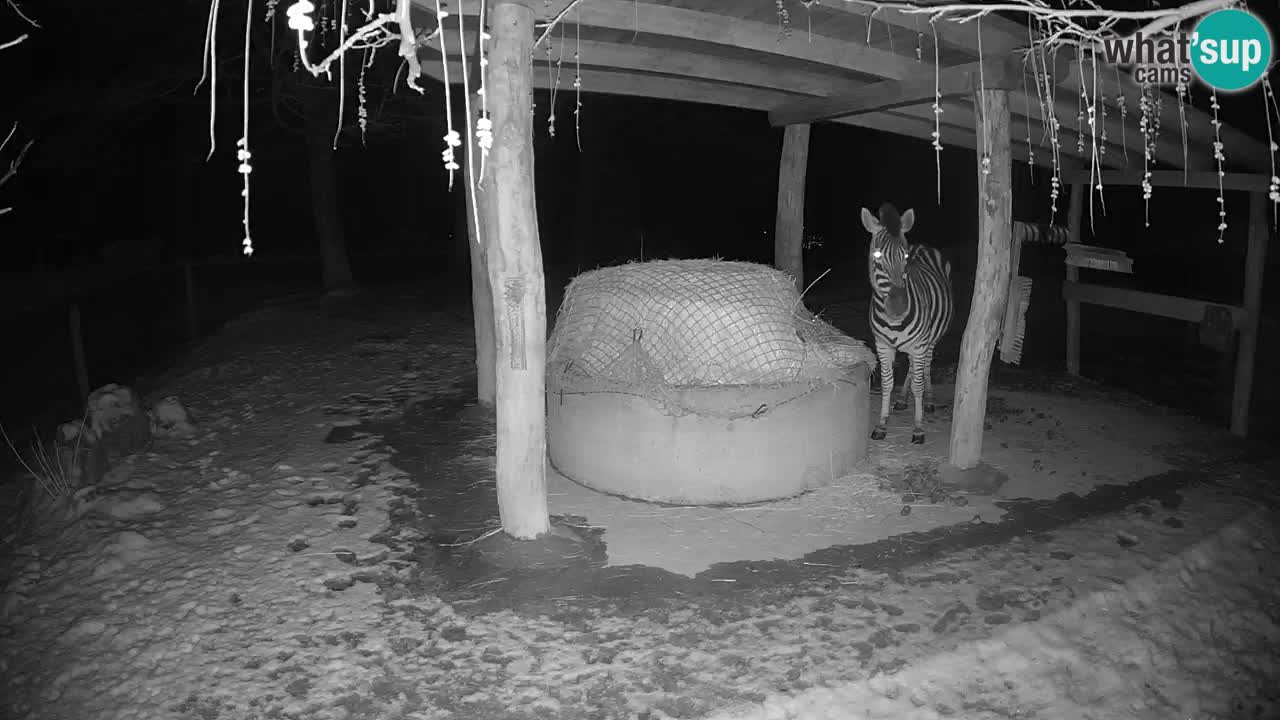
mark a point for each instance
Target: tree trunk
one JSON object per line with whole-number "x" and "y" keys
{"x": 788, "y": 236}
{"x": 1075, "y": 215}
{"x": 516, "y": 278}
{"x": 1255, "y": 262}
{"x": 335, "y": 266}
{"x": 481, "y": 297}
{"x": 459, "y": 252}
{"x": 991, "y": 282}
{"x": 477, "y": 239}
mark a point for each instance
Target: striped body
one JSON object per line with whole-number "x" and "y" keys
{"x": 1038, "y": 234}
{"x": 912, "y": 306}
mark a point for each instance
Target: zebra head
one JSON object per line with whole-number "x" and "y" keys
{"x": 888, "y": 254}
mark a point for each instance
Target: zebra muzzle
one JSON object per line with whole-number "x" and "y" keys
{"x": 896, "y": 303}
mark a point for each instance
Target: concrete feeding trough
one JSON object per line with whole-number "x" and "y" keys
{"x": 731, "y": 445}
{"x": 701, "y": 382}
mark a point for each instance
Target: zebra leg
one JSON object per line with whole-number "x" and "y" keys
{"x": 901, "y": 403}
{"x": 929, "y": 407}
{"x": 916, "y": 381}
{"x": 886, "y": 354}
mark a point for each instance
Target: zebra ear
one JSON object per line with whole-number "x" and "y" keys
{"x": 908, "y": 220}
{"x": 870, "y": 222}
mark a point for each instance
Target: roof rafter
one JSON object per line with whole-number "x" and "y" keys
{"x": 996, "y": 73}
{"x": 715, "y": 29}
{"x": 715, "y": 93}
{"x": 708, "y": 50}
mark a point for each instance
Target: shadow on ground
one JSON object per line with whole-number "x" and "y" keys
{"x": 448, "y": 449}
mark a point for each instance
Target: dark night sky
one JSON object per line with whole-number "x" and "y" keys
{"x": 121, "y": 143}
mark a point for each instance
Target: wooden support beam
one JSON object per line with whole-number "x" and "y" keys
{"x": 1239, "y": 147}
{"x": 1254, "y": 265}
{"x": 788, "y": 237}
{"x": 1170, "y": 306}
{"x": 1124, "y": 137}
{"x": 717, "y": 29}
{"x": 517, "y": 285}
{"x": 705, "y": 91}
{"x": 1075, "y": 221}
{"x": 993, "y": 73}
{"x": 595, "y": 55}
{"x": 991, "y": 282}
{"x": 482, "y": 319}
{"x": 1207, "y": 180}
{"x": 1000, "y": 36}
{"x": 958, "y": 119}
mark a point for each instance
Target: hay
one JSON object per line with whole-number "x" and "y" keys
{"x": 669, "y": 324}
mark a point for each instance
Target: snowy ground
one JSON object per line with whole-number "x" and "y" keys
{"x": 258, "y": 571}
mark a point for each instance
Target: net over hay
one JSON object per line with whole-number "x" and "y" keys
{"x": 701, "y": 382}
{"x": 694, "y": 323}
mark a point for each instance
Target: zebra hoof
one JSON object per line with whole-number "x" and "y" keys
{"x": 917, "y": 437}
{"x": 878, "y": 433}
{"x": 930, "y": 407}
{"x": 899, "y": 405}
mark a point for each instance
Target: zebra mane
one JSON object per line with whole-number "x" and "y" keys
{"x": 890, "y": 219}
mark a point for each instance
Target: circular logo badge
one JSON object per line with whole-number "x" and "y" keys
{"x": 1231, "y": 49}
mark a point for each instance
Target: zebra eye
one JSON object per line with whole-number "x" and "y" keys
{"x": 877, "y": 254}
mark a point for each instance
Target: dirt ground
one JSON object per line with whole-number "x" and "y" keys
{"x": 322, "y": 550}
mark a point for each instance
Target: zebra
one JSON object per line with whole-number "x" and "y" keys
{"x": 912, "y": 305}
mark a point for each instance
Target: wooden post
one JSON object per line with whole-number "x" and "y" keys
{"x": 991, "y": 282}
{"x": 1254, "y": 265}
{"x": 518, "y": 287}
{"x": 77, "y": 352}
{"x": 482, "y": 319}
{"x": 1075, "y": 216}
{"x": 193, "y": 316}
{"x": 788, "y": 236}
{"x": 481, "y": 303}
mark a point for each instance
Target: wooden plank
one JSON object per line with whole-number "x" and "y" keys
{"x": 1098, "y": 258}
{"x": 1124, "y": 139}
{"x": 899, "y": 124}
{"x": 788, "y": 237}
{"x": 714, "y": 29}
{"x": 999, "y": 35}
{"x": 1075, "y": 217}
{"x": 1168, "y": 146}
{"x": 995, "y": 73}
{"x": 516, "y": 277}
{"x": 960, "y": 117}
{"x": 482, "y": 319}
{"x": 597, "y": 55}
{"x": 1178, "y": 308}
{"x": 717, "y": 90}
{"x": 1254, "y": 266}
{"x": 698, "y": 91}
{"x": 1208, "y": 180}
{"x": 991, "y": 282}
{"x": 1239, "y": 147}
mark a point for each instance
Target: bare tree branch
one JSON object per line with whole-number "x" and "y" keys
{"x": 15, "y": 41}
{"x": 23, "y": 15}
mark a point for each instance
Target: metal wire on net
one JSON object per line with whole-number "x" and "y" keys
{"x": 694, "y": 323}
